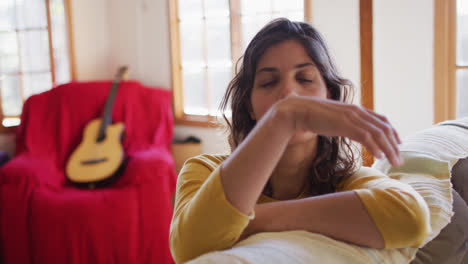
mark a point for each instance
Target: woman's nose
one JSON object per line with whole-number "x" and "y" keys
{"x": 288, "y": 89}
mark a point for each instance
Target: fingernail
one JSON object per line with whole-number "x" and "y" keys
{"x": 397, "y": 161}
{"x": 379, "y": 155}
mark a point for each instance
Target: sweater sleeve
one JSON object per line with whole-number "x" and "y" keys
{"x": 203, "y": 219}
{"x": 399, "y": 212}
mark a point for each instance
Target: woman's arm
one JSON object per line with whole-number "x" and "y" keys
{"x": 246, "y": 171}
{"x": 370, "y": 209}
{"x": 341, "y": 216}
{"x": 212, "y": 201}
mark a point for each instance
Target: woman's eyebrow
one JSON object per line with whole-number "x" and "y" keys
{"x": 302, "y": 65}
{"x": 273, "y": 69}
{"x": 268, "y": 69}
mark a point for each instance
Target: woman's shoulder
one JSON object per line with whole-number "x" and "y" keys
{"x": 364, "y": 171}
{"x": 197, "y": 169}
{"x": 360, "y": 177}
{"x": 211, "y": 161}
{"x": 201, "y": 166}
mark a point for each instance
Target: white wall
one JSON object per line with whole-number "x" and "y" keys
{"x": 139, "y": 37}
{"x": 338, "y": 21}
{"x": 90, "y": 29}
{"x": 403, "y": 62}
{"x": 109, "y": 33}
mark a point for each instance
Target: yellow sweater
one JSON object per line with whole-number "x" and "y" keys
{"x": 205, "y": 221}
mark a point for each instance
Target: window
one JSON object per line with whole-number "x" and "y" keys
{"x": 34, "y": 52}
{"x": 450, "y": 59}
{"x": 462, "y": 59}
{"x": 207, "y": 38}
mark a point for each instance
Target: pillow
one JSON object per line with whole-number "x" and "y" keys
{"x": 448, "y": 141}
{"x": 460, "y": 178}
{"x": 450, "y": 246}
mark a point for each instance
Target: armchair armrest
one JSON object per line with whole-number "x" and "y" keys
{"x": 26, "y": 169}
{"x": 151, "y": 166}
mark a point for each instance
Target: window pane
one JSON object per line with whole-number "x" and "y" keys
{"x": 250, "y": 7}
{"x": 60, "y": 41}
{"x": 218, "y": 80}
{"x": 283, "y": 6}
{"x": 462, "y": 32}
{"x": 251, "y": 25}
{"x": 11, "y": 97}
{"x": 34, "y": 50}
{"x": 462, "y": 93}
{"x": 190, "y": 9}
{"x": 7, "y": 15}
{"x": 194, "y": 84}
{"x": 218, "y": 42}
{"x": 36, "y": 83}
{"x": 255, "y": 15}
{"x": 31, "y": 13}
{"x": 191, "y": 44}
{"x": 9, "y": 60}
{"x": 216, "y": 8}
{"x": 8, "y": 43}
{"x": 293, "y": 16}
{"x": 9, "y": 64}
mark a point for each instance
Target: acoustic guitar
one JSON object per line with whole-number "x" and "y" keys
{"x": 97, "y": 159}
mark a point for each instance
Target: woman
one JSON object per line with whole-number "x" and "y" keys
{"x": 291, "y": 167}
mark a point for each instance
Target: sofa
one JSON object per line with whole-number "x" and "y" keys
{"x": 436, "y": 166}
{"x": 451, "y": 245}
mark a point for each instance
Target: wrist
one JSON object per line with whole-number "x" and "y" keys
{"x": 282, "y": 120}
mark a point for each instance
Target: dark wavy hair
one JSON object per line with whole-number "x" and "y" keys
{"x": 335, "y": 156}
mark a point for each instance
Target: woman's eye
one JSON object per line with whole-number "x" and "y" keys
{"x": 305, "y": 80}
{"x": 265, "y": 84}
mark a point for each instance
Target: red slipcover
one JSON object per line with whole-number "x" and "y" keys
{"x": 45, "y": 219}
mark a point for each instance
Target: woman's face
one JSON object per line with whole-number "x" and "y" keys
{"x": 285, "y": 69}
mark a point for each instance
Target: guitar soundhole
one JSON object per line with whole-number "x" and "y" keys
{"x": 93, "y": 161}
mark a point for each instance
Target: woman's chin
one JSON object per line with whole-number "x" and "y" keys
{"x": 301, "y": 137}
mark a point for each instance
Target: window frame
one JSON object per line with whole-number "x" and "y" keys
{"x": 68, "y": 17}
{"x": 445, "y": 65}
{"x": 180, "y": 117}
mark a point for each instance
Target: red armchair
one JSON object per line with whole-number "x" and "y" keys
{"x": 45, "y": 219}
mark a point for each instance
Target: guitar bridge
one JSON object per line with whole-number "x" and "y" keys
{"x": 93, "y": 161}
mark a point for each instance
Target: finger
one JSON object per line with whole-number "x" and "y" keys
{"x": 392, "y": 155}
{"x": 377, "y": 136}
{"x": 395, "y": 133}
{"x": 382, "y": 123}
{"x": 362, "y": 132}
{"x": 385, "y": 120}
{"x": 366, "y": 140}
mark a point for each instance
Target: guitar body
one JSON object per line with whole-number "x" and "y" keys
{"x": 95, "y": 161}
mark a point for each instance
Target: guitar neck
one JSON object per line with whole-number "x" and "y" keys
{"x": 107, "y": 114}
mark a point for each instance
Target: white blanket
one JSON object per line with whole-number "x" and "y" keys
{"x": 429, "y": 157}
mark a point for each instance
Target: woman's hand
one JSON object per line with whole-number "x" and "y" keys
{"x": 333, "y": 118}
